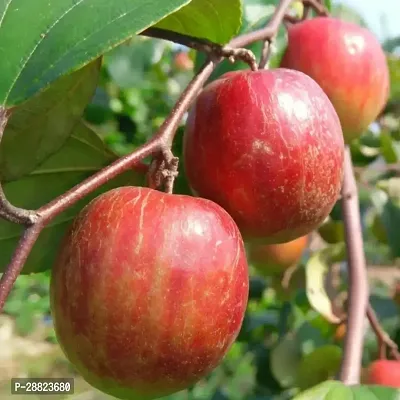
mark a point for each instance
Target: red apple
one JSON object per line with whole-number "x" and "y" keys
{"x": 183, "y": 62}
{"x": 268, "y": 147}
{"x": 149, "y": 291}
{"x": 271, "y": 259}
{"x": 348, "y": 62}
{"x": 384, "y": 373}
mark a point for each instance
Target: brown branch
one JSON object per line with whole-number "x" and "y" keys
{"x": 317, "y": 6}
{"x": 160, "y": 144}
{"x": 384, "y": 340}
{"x": 18, "y": 260}
{"x": 265, "y": 54}
{"x": 358, "y": 284}
{"x": 213, "y": 50}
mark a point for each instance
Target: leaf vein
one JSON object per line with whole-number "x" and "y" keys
{"x": 5, "y": 11}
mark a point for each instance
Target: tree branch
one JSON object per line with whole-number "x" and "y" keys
{"x": 213, "y": 50}
{"x": 18, "y": 260}
{"x": 280, "y": 15}
{"x": 317, "y": 6}
{"x": 358, "y": 284}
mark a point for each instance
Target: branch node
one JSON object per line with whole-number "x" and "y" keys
{"x": 242, "y": 54}
{"x": 163, "y": 170}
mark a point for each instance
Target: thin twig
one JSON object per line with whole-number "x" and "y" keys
{"x": 317, "y": 6}
{"x": 384, "y": 340}
{"x": 358, "y": 292}
{"x": 265, "y": 54}
{"x": 306, "y": 12}
{"x": 18, "y": 259}
{"x": 214, "y": 50}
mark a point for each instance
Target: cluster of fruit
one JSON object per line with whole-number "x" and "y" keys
{"x": 150, "y": 289}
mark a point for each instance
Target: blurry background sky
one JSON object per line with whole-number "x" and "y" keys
{"x": 381, "y": 16}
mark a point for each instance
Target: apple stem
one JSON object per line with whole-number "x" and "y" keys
{"x": 384, "y": 339}
{"x": 358, "y": 284}
{"x": 265, "y": 54}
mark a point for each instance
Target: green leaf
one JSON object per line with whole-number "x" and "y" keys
{"x": 285, "y": 359}
{"x": 332, "y": 231}
{"x": 317, "y": 268}
{"x": 264, "y": 375}
{"x": 333, "y": 390}
{"x": 394, "y": 72}
{"x": 82, "y": 155}
{"x": 42, "y": 40}
{"x": 40, "y": 126}
{"x": 318, "y": 366}
{"x": 392, "y": 188}
{"x": 363, "y": 155}
{"x": 390, "y": 150}
{"x": 216, "y": 20}
{"x": 328, "y": 4}
{"x": 391, "y": 44}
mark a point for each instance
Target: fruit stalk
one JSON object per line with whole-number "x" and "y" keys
{"x": 384, "y": 339}
{"x": 160, "y": 143}
{"x": 358, "y": 284}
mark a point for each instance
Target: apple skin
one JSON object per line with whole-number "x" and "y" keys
{"x": 384, "y": 373}
{"x": 271, "y": 259}
{"x": 348, "y": 62}
{"x": 149, "y": 291}
{"x": 268, "y": 147}
{"x": 183, "y": 62}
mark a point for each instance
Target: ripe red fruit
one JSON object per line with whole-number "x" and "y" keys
{"x": 348, "y": 62}
{"x": 149, "y": 291}
{"x": 274, "y": 259}
{"x": 183, "y": 62}
{"x": 268, "y": 147}
{"x": 384, "y": 373}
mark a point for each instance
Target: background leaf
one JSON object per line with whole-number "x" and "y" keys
{"x": 333, "y": 390}
{"x": 316, "y": 269}
{"x": 82, "y": 154}
{"x": 40, "y": 126}
{"x": 318, "y": 366}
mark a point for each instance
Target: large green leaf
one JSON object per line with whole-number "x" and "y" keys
{"x": 82, "y": 154}
{"x": 41, "y": 40}
{"x": 216, "y": 20}
{"x": 332, "y": 390}
{"x": 40, "y": 126}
